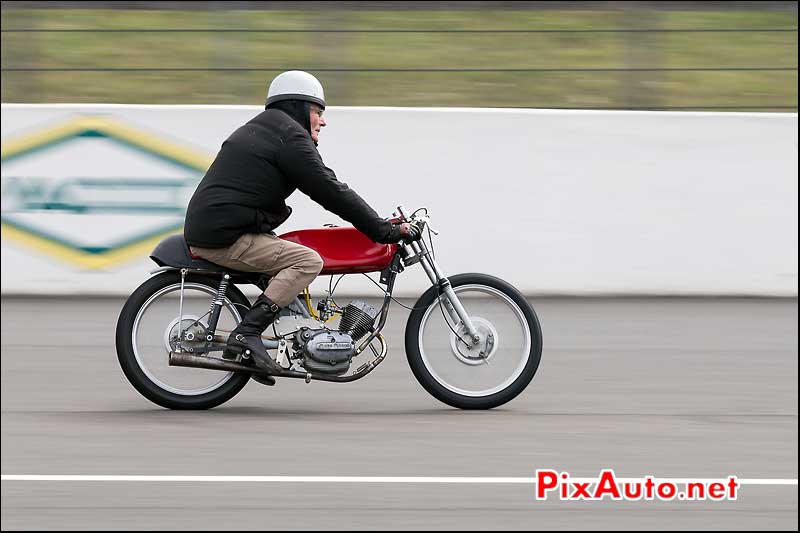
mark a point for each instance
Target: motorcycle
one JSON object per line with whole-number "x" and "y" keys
{"x": 472, "y": 340}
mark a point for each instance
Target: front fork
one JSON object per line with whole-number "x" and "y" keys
{"x": 417, "y": 251}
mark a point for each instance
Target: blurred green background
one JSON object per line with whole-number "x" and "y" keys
{"x": 747, "y": 86}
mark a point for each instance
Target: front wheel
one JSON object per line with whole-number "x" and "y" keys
{"x": 465, "y": 374}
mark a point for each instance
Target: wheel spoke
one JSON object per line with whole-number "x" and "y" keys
{"x": 484, "y": 368}
{"x": 155, "y": 333}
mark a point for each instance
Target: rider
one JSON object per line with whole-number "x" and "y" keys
{"x": 232, "y": 215}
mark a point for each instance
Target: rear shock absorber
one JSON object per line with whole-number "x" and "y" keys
{"x": 216, "y": 307}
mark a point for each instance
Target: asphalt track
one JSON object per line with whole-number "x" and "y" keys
{"x": 678, "y": 388}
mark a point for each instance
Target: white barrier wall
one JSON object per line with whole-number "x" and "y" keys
{"x": 555, "y": 202}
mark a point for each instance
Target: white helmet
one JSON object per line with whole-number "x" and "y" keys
{"x": 296, "y": 85}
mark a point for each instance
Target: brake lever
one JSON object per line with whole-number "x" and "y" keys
{"x": 426, "y": 222}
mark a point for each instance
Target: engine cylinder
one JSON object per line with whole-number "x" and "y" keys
{"x": 357, "y": 319}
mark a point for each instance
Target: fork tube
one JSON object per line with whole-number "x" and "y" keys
{"x": 422, "y": 249}
{"x": 450, "y": 297}
{"x": 451, "y": 302}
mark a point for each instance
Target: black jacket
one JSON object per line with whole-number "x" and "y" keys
{"x": 257, "y": 168}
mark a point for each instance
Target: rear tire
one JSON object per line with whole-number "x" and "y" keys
{"x": 131, "y": 366}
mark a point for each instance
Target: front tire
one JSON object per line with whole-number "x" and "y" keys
{"x": 143, "y": 355}
{"x": 454, "y": 373}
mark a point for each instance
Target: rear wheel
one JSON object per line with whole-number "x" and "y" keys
{"x": 148, "y": 329}
{"x": 471, "y": 375}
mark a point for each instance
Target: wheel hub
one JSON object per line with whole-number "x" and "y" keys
{"x": 476, "y": 353}
{"x": 194, "y": 333}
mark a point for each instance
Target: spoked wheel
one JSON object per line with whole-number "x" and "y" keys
{"x": 149, "y": 327}
{"x": 468, "y": 375}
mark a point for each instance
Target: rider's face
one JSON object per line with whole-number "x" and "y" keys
{"x": 317, "y": 121}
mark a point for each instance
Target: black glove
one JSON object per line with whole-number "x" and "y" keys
{"x": 409, "y": 232}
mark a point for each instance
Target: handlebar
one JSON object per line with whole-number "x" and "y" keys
{"x": 420, "y": 220}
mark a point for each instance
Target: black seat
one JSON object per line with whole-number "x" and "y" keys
{"x": 174, "y": 252}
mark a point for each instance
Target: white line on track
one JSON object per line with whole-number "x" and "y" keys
{"x": 364, "y": 479}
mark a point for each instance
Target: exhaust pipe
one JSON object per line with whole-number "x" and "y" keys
{"x": 212, "y": 363}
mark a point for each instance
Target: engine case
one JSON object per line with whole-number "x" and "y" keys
{"x": 325, "y": 351}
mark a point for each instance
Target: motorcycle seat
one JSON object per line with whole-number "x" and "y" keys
{"x": 174, "y": 252}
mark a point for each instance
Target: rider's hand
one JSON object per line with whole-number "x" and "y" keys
{"x": 409, "y": 232}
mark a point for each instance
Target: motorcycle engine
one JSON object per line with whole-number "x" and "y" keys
{"x": 330, "y": 352}
{"x": 357, "y": 319}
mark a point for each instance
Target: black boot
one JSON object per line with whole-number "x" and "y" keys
{"x": 247, "y": 335}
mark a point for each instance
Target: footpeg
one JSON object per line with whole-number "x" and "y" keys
{"x": 230, "y": 353}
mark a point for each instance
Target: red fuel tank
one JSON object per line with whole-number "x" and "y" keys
{"x": 344, "y": 250}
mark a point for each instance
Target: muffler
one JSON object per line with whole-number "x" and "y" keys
{"x": 212, "y": 363}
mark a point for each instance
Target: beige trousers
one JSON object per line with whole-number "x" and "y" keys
{"x": 291, "y": 266}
